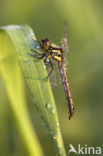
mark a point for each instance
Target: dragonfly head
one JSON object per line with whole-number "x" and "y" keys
{"x": 45, "y": 44}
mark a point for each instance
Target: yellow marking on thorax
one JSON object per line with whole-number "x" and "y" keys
{"x": 58, "y": 58}
{"x": 56, "y": 51}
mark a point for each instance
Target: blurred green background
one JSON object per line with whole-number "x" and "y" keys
{"x": 85, "y": 71}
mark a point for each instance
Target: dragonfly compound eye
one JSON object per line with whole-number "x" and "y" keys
{"x": 45, "y": 44}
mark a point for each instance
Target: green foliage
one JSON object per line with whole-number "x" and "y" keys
{"x": 15, "y": 52}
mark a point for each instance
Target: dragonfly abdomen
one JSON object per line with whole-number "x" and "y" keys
{"x": 70, "y": 99}
{"x": 67, "y": 90}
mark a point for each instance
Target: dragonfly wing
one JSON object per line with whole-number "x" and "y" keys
{"x": 64, "y": 41}
{"x": 55, "y": 79}
{"x": 63, "y": 73}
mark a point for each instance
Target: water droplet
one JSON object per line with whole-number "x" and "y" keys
{"x": 31, "y": 34}
{"x": 60, "y": 152}
{"x": 49, "y": 106}
{"x": 34, "y": 100}
{"x": 54, "y": 137}
{"x": 37, "y": 47}
{"x": 44, "y": 66}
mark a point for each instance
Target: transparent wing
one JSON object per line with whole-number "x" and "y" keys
{"x": 55, "y": 79}
{"x": 64, "y": 41}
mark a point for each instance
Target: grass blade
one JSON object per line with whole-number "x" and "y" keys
{"x": 35, "y": 74}
{"x": 13, "y": 80}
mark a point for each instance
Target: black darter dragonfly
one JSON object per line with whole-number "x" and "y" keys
{"x": 51, "y": 51}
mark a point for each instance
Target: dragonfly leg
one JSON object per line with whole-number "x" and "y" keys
{"x": 35, "y": 52}
{"x": 37, "y": 55}
{"x": 49, "y": 62}
{"x": 51, "y": 67}
{"x": 45, "y": 60}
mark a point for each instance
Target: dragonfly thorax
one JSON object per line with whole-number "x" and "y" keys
{"x": 57, "y": 54}
{"x": 52, "y": 50}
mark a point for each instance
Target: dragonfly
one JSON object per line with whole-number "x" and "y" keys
{"x": 53, "y": 52}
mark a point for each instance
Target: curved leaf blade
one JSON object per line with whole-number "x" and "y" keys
{"x": 35, "y": 74}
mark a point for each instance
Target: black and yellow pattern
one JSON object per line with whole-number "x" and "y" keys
{"x": 51, "y": 51}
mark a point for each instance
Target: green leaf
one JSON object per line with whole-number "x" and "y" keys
{"x": 20, "y": 39}
{"x": 14, "y": 84}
